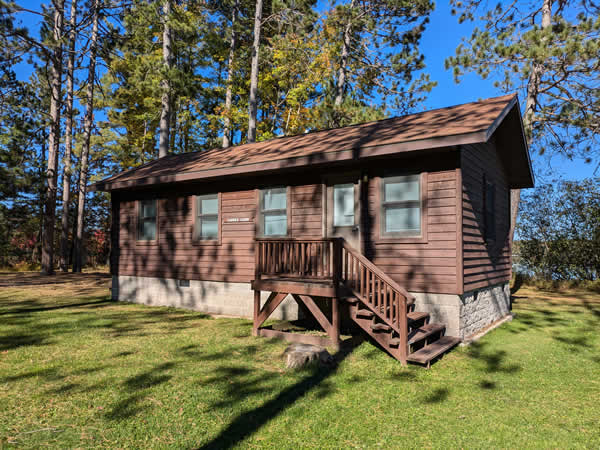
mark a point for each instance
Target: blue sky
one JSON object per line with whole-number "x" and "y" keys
{"x": 441, "y": 38}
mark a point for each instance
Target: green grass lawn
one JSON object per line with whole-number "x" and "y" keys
{"x": 77, "y": 370}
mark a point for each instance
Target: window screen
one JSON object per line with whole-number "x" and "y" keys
{"x": 147, "y": 220}
{"x": 274, "y": 211}
{"x": 401, "y": 205}
{"x": 343, "y": 205}
{"x": 207, "y": 217}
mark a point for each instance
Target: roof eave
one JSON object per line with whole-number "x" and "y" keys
{"x": 301, "y": 161}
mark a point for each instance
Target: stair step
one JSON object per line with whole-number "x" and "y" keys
{"x": 380, "y": 327}
{"x": 350, "y": 299}
{"x": 416, "y": 316}
{"x": 425, "y": 331}
{"x": 394, "y": 342}
{"x": 422, "y": 333}
{"x": 367, "y": 314}
{"x": 433, "y": 350}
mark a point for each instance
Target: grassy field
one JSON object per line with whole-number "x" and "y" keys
{"x": 77, "y": 370}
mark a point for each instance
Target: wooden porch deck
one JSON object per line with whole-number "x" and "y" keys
{"x": 312, "y": 269}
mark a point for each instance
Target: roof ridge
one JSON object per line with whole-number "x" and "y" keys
{"x": 455, "y": 120}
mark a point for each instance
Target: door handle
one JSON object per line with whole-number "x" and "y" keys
{"x": 355, "y": 228}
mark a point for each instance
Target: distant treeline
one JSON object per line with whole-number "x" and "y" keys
{"x": 559, "y": 232}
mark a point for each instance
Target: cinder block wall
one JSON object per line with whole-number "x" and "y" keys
{"x": 466, "y": 314}
{"x": 463, "y": 315}
{"x": 213, "y": 297}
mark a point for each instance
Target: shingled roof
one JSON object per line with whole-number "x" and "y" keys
{"x": 455, "y": 125}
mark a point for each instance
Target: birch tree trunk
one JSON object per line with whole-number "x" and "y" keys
{"x": 53, "y": 140}
{"x": 228, "y": 93}
{"x": 252, "y": 103}
{"x": 165, "y": 113}
{"x": 87, "y": 131}
{"x": 66, "y": 197}
{"x": 533, "y": 86}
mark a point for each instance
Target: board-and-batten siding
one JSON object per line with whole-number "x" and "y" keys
{"x": 484, "y": 263}
{"x": 177, "y": 255}
{"x": 429, "y": 266}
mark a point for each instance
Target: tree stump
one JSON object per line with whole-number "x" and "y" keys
{"x": 302, "y": 355}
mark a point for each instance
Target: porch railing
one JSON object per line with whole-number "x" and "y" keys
{"x": 298, "y": 258}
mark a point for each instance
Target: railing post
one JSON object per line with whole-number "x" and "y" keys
{"x": 257, "y": 260}
{"x": 337, "y": 262}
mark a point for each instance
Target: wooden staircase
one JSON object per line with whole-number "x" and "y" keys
{"x": 386, "y": 312}
{"x": 332, "y": 268}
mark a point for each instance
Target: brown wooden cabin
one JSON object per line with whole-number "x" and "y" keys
{"x": 401, "y": 224}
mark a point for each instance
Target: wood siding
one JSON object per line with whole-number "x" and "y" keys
{"x": 177, "y": 255}
{"x": 426, "y": 264}
{"x": 485, "y": 262}
{"x": 430, "y": 263}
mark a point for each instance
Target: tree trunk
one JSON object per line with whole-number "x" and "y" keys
{"x": 228, "y": 93}
{"x": 35, "y": 257}
{"x": 533, "y": 86}
{"x": 87, "y": 131}
{"x": 66, "y": 199}
{"x": 252, "y": 103}
{"x": 53, "y": 141}
{"x": 341, "y": 79}
{"x": 165, "y": 113}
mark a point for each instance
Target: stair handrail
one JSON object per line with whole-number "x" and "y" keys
{"x": 380, "y": 273}
{"x": 400, "y": 324}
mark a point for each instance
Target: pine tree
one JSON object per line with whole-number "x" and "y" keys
{"x": 87, "y": 131}
{"x": 53, "y": 139}
{"x": 375, "y": 48}
{"x": 67, "y": 169}
{"x": 230, "y": 74}
{"x": 549, "y": 50}
{"x": 132, "y": 87}
{"x": 253, "y": 100}
{"x": 165, "y": 113}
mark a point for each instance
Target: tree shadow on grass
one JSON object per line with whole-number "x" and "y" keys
{"x": 494, "y": 361}
{"x": 13, "y": 341}
{"x": 574, "y": 320}
{"x": 437, "y": 396}
{"x": 96, "y": 303}
{"x": 249, "y": 422}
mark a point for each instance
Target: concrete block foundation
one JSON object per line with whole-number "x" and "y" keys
{"x": 213, "y": 297}
{"x": 463, "y": 315}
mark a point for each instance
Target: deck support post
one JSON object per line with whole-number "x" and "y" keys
{"x": 335, "y": 322}
{"x": 256, "y": 313}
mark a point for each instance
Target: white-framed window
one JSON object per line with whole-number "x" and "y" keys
{"x": 343, "y": 205}
{"x": 207, "y": 217}
{"x": 147, "y": 213}
{"x": 401, "y": 206}
{"x": 273, "y": 211}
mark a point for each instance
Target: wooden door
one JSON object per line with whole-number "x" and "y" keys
{"x": 342, "y": 210}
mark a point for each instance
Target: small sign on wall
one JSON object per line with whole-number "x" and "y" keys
{"x": 238, "y": 219}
